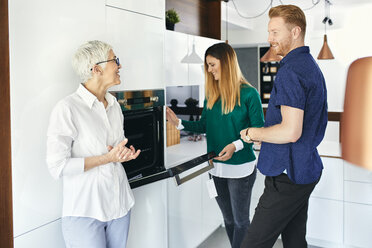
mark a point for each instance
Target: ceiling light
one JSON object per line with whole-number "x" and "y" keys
{"x": 193, "y": 58}
{"x": 325, "y": 52}
{"x": 356, "y": 121}
{"x": 270, "y": 56}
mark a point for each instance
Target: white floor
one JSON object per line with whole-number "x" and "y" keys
{"x": 219, "y": 239}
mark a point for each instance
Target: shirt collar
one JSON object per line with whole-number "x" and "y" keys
{"x": 89, "y": 98}
{"x": 294, "y": 53}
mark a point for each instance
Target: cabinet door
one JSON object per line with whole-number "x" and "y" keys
{"x": 138, "y": 41}
{"x": 358, "y": 192}
{"x": 358, "y": 219}
{"x": 49, "y": 235}
{"x": 44, "y": 34}
{"x": 185, "y": 214}
{"x": 357, "y": 173}
{"x": 148, "y": 224}
{"x": 196, "y": 71}
{"x": 147, "y": 7}
{"x": 176, "y": 48}
{"x": 325, "y": 220}
{"x": 330, "y": 185}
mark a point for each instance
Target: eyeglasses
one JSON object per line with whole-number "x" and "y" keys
{"x": 117, "y": 61}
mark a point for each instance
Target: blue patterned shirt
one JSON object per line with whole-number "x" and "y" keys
{"x": 299, "y": 84}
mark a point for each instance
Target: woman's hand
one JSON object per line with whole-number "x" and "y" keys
{"x": 226, "y": 152}
{"x": 121, "y": 153}
{"x": 172, "y": 117}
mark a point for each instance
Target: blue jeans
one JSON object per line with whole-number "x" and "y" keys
{"x": 84, "y": 232}
{"x": 234, "y": 200}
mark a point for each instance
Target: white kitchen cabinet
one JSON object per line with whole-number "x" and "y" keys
{"x": 148, "y": 227}
{"x": 154, "y": 8}
{"x": 358, "y": 222}
{"x": 358, "y": 192}
{"x": 175, "y": 49}
{"x": 357, "y": 173}
{"x": 192, "y": 215}
{"x": 325, "y": 220}
{"x": 185, "y": 214}
{"x": 331, "y": 182}
{"x": 196, "y": 71}
{"x": 43, "y": 36}
{"x": 177, "y": 46}
{"x": 138, "y": 41}
{"x": 49, "y": 235}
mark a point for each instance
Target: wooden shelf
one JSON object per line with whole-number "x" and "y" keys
{"x": 198, "y": 17}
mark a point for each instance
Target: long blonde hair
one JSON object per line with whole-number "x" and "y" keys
{"x": 228, "y": 87}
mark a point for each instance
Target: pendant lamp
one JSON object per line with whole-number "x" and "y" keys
{"x": 325, "y": 52}
{"x": 193, "y": 58}
{"x": 356, "y": 121}
{"x": 270, "y": 56}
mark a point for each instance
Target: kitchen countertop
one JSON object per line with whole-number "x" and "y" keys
{"x": 184, "y": 151}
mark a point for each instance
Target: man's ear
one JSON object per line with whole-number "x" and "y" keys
{"x": 296, "y": 32}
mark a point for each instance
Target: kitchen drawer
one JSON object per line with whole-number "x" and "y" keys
{"x": 358, "y": 192}
{"x": 325, "y": 220}
{"x": 358, "y": 222}
{"x": 356, "y": 173}
{"x": 330, "y": 185}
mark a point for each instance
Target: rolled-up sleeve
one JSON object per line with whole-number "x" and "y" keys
{"x": 60, "y": 137}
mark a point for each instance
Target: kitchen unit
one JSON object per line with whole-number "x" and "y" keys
{"x": 136, "y": 30}
{"x": 43, "y": 37}
{"x": 37, "y": 198}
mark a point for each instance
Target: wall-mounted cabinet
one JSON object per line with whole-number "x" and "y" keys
{"x": 154, "y": 8}
{"x": 139, "y": 46}
{"x": 198, "y": 17}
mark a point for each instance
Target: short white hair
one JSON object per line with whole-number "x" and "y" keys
{"x": 87, "y": 55}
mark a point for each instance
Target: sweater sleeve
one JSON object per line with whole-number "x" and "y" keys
{"x": 197, "y": 126}
{"x": 254, "y": 107}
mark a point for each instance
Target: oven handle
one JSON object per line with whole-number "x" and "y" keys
{"x": 177, "y": 170}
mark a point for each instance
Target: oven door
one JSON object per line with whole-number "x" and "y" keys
{"x": 144, "y": 130}
{"x": 178, "y": 170}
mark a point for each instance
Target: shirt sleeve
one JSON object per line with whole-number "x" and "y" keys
{"x": 180, "y": 126}
{"x": 238, "y": 145}
{"x": 289, "y": 90}
{"x": 60, "y": 137}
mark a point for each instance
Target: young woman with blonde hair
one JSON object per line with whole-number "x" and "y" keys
{"x": 231, "y": 105}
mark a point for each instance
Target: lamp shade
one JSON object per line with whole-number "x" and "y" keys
{"x": 325, "y": 52}
{"x": 193, "y": 58}
{"x": 270, "y": 56}
{"x": 356, "y": 122}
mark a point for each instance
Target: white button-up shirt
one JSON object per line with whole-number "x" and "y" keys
{"x": 80, "y": 127}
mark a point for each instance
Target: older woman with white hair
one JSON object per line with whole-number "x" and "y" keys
{"x": 85, "y": 147}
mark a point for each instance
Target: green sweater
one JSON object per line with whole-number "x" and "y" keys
{"x": 223, "y": 129}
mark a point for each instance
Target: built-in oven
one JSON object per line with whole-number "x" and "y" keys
{"x": 144, "y": 128}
